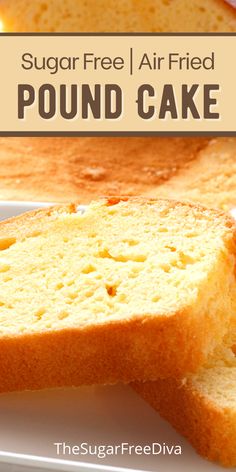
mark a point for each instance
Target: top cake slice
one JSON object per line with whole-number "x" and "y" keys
{"x": 129, "y": 289}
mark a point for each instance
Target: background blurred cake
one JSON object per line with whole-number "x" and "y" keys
{"x": 113, "y": 15}
{"x": 209, "y": 179}
{"x": 64, "y": 169}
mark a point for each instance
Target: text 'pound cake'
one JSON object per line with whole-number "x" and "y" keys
{"x": 202, "y": 406}
{"x": 131, "y": 289}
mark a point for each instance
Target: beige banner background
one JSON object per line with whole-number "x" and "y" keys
{"x": 12, "y": 47}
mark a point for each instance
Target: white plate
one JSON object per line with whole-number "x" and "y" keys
{"x": 31, "y": 422}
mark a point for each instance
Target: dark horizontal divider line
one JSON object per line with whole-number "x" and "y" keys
{"x": 115, "y": 34}
{"x": 114, "y": 133}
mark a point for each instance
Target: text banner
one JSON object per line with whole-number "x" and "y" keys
{"x": 119, "y": 84}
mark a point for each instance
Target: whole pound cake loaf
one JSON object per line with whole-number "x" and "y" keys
{"x": 202, "y": 406}
{"x": 129, "y": 289}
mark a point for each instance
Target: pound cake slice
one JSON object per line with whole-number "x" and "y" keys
{"x": 131, "y": 289}
{"x": 202, "y": 406}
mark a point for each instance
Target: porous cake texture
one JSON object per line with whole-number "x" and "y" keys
{"x": 130, "y": 289}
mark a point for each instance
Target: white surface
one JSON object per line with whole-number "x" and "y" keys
{"x": 8, "y": 209}
{"x": 30, "y": 422}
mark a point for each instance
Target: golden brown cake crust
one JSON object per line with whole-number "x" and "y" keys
{"x": 70, "y": 169}
{"x": 209, "y": 428}
{"x": 125, "y": 15}
{"x": 210, "y": 179}
{"x": 132, "y": 349}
